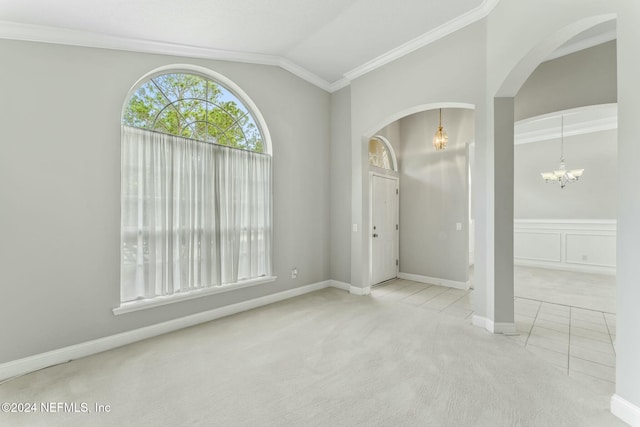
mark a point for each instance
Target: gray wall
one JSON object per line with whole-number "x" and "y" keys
{"x": 587, "y": 77}
{"x": 593, "y": 197}
{"x": 434, "y": 195}
{"x": 340, "y": 175}
{"x": 412, "y": 83}
{"x": 60, "y": 189}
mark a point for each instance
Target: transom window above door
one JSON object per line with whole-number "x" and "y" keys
{"x": 379, "y": 154}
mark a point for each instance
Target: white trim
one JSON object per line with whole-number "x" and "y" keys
{"x": 425, "y": 39}
{"x": 584, "y": 128}
{"x": 611, "y": 223}
{"x": 435, "y": 281}
{"x": 479, "y": 321}
{"x": 576, "y": 268}
{"x": 625, "y": 410}
{"x": 339, "y": 285}
{"x": 307, "y": 75}
{"x": 46, "y": 34}
{"x": 505, "y": 328}
{"x": 397, "y": 199}
{"x": 565, "y": 252}
{"x": 392, "y": 152}
{"x": 583, "y": 120}
{"x": 65, "y": 354}
{"x": 143, "y": 304}
{"x": 356, "y": 290}
{"x": 339, "y": 84}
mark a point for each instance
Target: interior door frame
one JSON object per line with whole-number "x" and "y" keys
{"x": 397, "y": 180}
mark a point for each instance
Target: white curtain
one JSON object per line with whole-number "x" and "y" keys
{"x": 194, "y": 214}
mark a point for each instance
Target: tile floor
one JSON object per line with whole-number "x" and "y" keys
{"x": 579, "y": 341}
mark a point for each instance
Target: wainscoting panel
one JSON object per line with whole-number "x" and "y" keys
{"x": 591, "y": 249}
{"x": 574, "y": 245}
{"x": 538, "y": 245}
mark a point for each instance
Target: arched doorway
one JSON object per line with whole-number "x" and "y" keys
{"x": 500, "y": 151}
{"x": 424, "y": 158}
{"x": 503, "y": 293}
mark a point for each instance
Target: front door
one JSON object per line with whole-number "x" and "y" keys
{"x": 384, "y": 228}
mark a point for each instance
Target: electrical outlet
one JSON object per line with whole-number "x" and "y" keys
{"x": 294, "y": 273}
{"x": 585, "y": 257}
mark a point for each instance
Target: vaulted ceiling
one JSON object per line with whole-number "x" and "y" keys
{"x": 323, "y": 40}
{"x": 326, "y": 42}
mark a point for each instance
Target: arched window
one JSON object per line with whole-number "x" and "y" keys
{"x": 194, "y": 107}
{"x": 380, "y": 154}
{"x": 196, "y": 190}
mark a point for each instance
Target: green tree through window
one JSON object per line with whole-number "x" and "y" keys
{"x": 194, "y": 107}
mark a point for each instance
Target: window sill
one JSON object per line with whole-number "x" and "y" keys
{"x": 128, "y": 307}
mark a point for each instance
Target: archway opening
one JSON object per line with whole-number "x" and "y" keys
{"x": 541, "y": 231}
{"x": 434, "y": 212}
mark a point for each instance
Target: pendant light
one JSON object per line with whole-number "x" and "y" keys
{"x": 440, "y": 138}
{"x": 562, "y": 176}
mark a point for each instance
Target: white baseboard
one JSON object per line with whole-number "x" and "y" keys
{"x": 65, "y": 354}
{"x": 576, "y": 268}
{"x": 478, "y": 321}
{"x": 355, "y": 290}
{"x": 625, "y": 410}
{"x": 435, "y": 281}
{"x": 505, "y": 328}
{"x": 339, "y": 285}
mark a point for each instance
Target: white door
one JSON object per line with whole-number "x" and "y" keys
{"x": 384, "y": 228}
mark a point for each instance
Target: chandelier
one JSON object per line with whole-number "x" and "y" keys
{"x": 440, "y": 139}
{"x": 562, "y": 176}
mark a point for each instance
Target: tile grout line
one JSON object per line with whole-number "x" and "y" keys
{"x": 609, "y": 331}
{"x": 436, "y": 295}
{"x": 453, "y": 302}
{"x": 594, "y": 362}
{"x": 569, "y": 345}
{"x": 392, "y": 291}
{"x": 535, "y": 319}
{"x": 565, "y": 305}
{"x": 592, "y": 376}
{"x": 416, "y": 292}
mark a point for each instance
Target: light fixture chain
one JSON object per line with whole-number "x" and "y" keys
{"x": 562, "y": 138}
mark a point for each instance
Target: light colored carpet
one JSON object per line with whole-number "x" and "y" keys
{"x": 584, "y": 290}
{"x": 323, "y": 359}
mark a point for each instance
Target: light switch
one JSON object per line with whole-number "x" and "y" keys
{"x": 355, "y": 228}
{"x": 458, "y": 226}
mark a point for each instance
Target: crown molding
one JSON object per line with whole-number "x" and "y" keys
{"x": 44, "y": 34}
{"x": 590, "y": 119}
{"x": 55, "y": 35}
{"x": 303, "y": 73}
{"x": 339, "y": 84}
{"x": 429, "y": 37}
